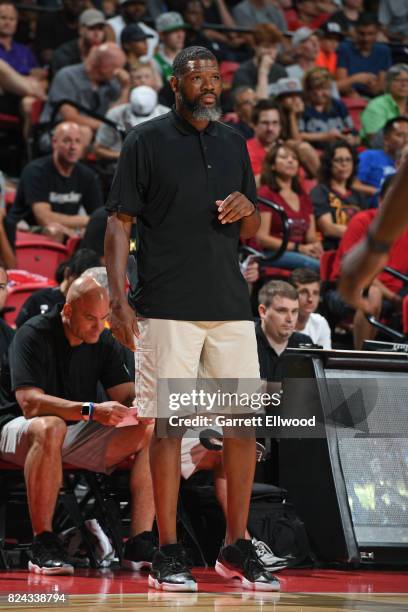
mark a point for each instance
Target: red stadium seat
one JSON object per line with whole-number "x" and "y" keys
{"x": 20, "y": 277}
{"x": 271, "y": 272}
{"x": 40, "y": 257}
{"x": 326, "y": 264}
{"x": 355, "y": 107}
{"x": 18, "y": 294}
{"x": 227, "y": 71}
{"x": 30, "y": 237}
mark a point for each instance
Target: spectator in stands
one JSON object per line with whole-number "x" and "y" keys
{"x": 348, "y": 15}
{"x": 335, "y": 200}
{"x": 95, "y": 84}
{"x": 52, "y": 189}
{"x": 393, "y": 16}
{"x": 142, "y": 106}
{"x": 362, "y": 65}
{"x": 330, "y": 36}
{"x": 383, "y": 287}
{"x": 376, "y": 164}
{"x": 311, "y": 323}
{"x": 13, "y": 82}
{"x": 243, "y": 102}
{"x": 324, "y": 118}
{"x": 278, "y": 310}
{"x": 55, "y": 364}
{"x": 193, "y": 15}
{"x": 6, "y": 332}
{"x": 306, "y": 46}
{"x": 250, "y": 13}
{"x": 44, "y": 300}
{"x": 280, "y": 184}
{"x": 172, "y": 32}
{"x": 144, "y": 74}
{"x": 18, "y": 56}
{"x": 133, "y": 41}
{"x": 57, "y": 27}
{"x": 263, "y": 69}
{"x": 133, "y": 11}
{"x": 92, "y": 32}
{"x": 308, "y": 13}
{"x": 392, "y": 104}
{"x": 267, "y": 125}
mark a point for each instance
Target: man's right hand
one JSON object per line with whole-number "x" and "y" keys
{"x": 123, "y": 324}
{"x": 110, "y": 414}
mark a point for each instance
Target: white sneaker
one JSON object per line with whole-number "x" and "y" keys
{"x": 267, "y": 558}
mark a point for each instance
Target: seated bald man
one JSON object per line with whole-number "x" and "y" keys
{"x": 54, "y": 189}
{"x": 49, "y": 415}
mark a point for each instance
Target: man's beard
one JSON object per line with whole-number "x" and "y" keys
{"x": 198, "y": 111}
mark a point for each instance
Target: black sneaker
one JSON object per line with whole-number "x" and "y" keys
{"x": 139, "y": 551}
{"x": 170, "y": 571}
{"x": 240, "y": 560}
{"x": 48, "y": 555}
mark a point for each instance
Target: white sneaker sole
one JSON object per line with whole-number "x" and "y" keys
{"x": 136, "y": 566}
{"x": 190, "y": 586}
{"x": 228, "y": 573}
{"x": 66, "y": 570}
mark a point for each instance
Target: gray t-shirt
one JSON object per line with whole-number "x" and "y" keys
{"x": 122, "y": 115}
{"x": 72, "y": 83}
{"x": 394, "y": 15}
{"x": 247, "y": 74}
{"x": 248, "y": 15}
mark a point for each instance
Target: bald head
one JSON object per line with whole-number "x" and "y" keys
{"x": 104, "y": 60}
{"x": 88, "y": 289}
{"x": 67, "y": 143}
{"x": 85, "y": 311}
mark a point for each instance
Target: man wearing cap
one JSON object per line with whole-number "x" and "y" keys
{"x": 172, "y": 32}
{"x": 306, "y": 47}
{"x": 141, "y": 107}
{"x": 330, "y": 36}
{"x": 132, "y": 11}
{"x": 92, "y": 32}
{"x": 133, "y": 40}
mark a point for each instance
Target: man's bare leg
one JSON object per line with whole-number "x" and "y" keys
{"x": 43, "y": 469}
{"x": 126, "y": 442}
{"x": 165, "y": 469}
{"x": 239, "y": 459}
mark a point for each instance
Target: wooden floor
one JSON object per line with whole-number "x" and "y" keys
{"x": 217, "y": 602}
{"x": 315, "y": 590}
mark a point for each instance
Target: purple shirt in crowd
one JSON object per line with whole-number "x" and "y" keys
{"x": 19, "y": 57}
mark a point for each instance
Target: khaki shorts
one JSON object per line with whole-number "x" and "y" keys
{"x": 84, "y": 446}
{"x": 191, "y": 350}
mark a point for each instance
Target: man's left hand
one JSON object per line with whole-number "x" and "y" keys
{"x": 236, "y": 206}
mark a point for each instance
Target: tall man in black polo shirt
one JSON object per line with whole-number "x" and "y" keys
{"x": 55, "y": 364}
{"x": 188, "y": 180}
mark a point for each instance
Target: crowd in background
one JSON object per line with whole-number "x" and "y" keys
{"x": 318, "y": 89}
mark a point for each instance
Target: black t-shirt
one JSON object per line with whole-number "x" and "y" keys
{"x": 247, "y": 74}
{"x": 41, "y": 182}
{"x": 41, "y": 356}
{"x": 341, "y": 207}
{"x": 53, "y": 30}
{"x": 94, "y": 236}
{"x": 271, "y": 364}
{"x": 67, "y": 54}
{"x": 169, "y": 176}
{"x": 6, "y": 336}
{"x": 40, "y": 302}
{"x": 344, "y": 22}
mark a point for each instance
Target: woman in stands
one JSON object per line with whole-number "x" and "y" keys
{"x": 325, "y": 119}
{"x": 280, "y": 184}
{"x": 335, "y": 201}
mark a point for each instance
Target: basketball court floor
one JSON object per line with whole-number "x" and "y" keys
{"x": 302, "y": 591}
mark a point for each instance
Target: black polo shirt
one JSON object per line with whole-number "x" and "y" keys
{"x": 169, "y": 176}
{"x": 271, "y": 364}
{"x": 41, "y": 356}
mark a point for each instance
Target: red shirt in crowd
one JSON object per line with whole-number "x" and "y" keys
{"x": 257, "y": 154}
{"x": 300, "y": 220}
{"x": 356, "y": 231}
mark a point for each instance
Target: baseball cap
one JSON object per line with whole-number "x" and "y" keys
{"x": 91, "y": 17}
{"x": 285, "y": 87}
{"x": 143, "y": 100}
{"x": 331, "y": 28}
{"x": 300, "y": 36}
{"x": 169, "y": 22}
{"x": 132, "y": 33}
